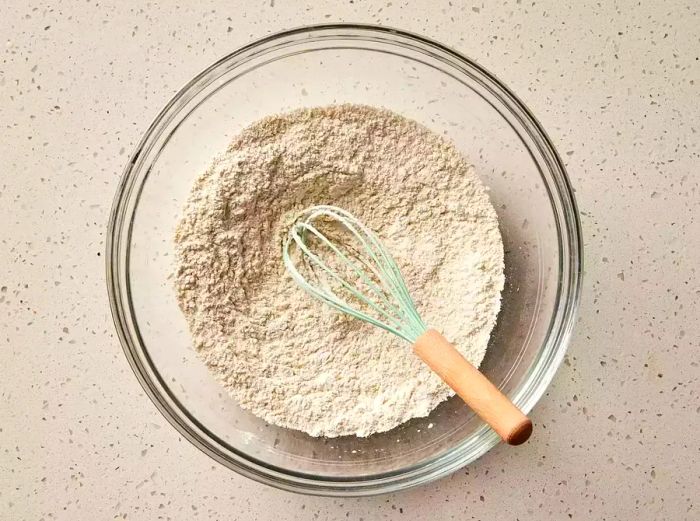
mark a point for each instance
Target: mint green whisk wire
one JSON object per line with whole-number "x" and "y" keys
{"x": 385, "y": 294}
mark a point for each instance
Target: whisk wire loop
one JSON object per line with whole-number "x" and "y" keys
{"x": 364, "y": 277}
{"x": 340, "y": 280}
{"x": 387, "y": 305}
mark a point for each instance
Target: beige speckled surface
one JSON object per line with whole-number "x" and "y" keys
{"x": 617, "y": 88}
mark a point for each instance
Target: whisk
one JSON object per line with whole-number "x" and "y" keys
{"x": 338, "y": 260}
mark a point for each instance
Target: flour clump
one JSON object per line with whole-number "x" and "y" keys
{"x": 285, "y": 356}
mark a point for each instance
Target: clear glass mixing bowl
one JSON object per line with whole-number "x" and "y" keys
{"x": 322, "y": 65}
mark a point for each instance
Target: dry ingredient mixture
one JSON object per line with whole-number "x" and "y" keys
{"x": 288, "y": 358}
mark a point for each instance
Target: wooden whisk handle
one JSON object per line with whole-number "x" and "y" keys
{"x": 484, "y": 398}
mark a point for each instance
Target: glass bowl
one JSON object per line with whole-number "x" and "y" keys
{"x": 323, "y": 65}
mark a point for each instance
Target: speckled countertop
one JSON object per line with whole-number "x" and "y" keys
{"x": 617, "y": 87}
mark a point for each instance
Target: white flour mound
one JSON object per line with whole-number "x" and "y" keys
{"x": 290, "y": 359}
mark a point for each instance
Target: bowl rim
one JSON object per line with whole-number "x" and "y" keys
{"x": 549, "y": 356}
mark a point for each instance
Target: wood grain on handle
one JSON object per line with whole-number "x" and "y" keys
{"x": 484, "y": 398}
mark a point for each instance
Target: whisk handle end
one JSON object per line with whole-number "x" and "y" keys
{"x": 483, "y": 397}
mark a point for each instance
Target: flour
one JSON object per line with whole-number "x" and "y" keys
{"x": 288, "y": 358}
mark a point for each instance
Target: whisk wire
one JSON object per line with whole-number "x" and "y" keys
{"x": 386, "y": 261}
{"x": 340, "y": 280}
{"x": 390, "y": 299}
{"x": 364, "y": 277}
{"x": 379, "y": 256}
{"x": 335, "y": 302}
